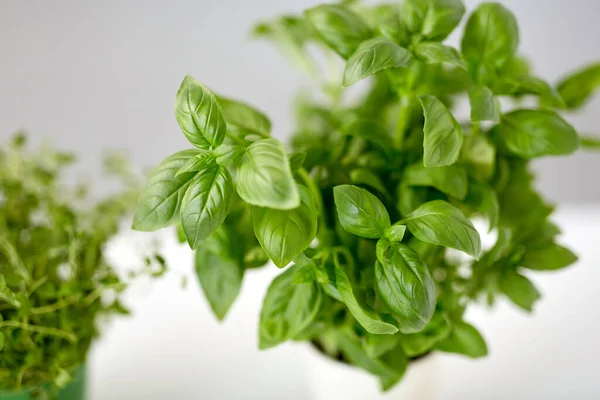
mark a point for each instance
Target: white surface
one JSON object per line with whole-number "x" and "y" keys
{"x": 329, "y": 379}
{"x": 172, "y": 348}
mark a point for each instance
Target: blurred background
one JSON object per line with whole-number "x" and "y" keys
{"x": 91, "y": 75}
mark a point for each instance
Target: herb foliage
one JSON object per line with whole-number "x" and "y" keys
{"x": 376, "y": 188}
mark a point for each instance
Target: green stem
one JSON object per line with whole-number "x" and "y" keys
{"x": 403, "y": 123}
{"x": 56, "y": 306}
{"x": 70, "y": 336}
{"x": 310, "y": 183}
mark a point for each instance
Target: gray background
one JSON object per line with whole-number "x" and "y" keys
{"x": 92, "y": 75}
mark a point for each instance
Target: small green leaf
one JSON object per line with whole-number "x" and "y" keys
{"x": 362, "y": 176}
{"x": 393, "y": 27}
{"x": 464, "y": 339}
{"x": 287, "y": 309}
{"x": 195, "y": 164}
{"x": 576, "y": 89}
{"x": 491, "y": 37}
{"x": 434, "y": 19}
{"x": 297, "y": 160}
{"x": 409, "y": 197}
{"x": 389, "y": 373}
{"x": 406, "y": 287}
{"x": 199, "y": 114}
{"x": 485, "y": 201}
{"x": 484, "y": 106}
{"x": 419, "y": 343}
{"x": 360, "y": 212}
{"x": 243, "y": 116}
{"x": 519, "y": 289}
{"x": 451, "y": 180}
{"x": 443, "y": 135}
{"x": 220, "y": 278}
{"x": 229, "y": 154}
{"x": 339, "y": 27}
{"x": 535, "y": 133}
{"x": 284, "y": 234}
{"x": 378, "y": 345}
{"x": 375, "y": 55}
{"x": 480, "y": 156}
{"x": 527, "y": 84}
{"x": 440, "y": 223}
{"x": 265, "y": 178}
{"x": 206, "y": 203}
{"x": 550, "y": 257}
{"x": 368, "y": 319}
{"x": 588, "y": 142}
{"x": 438, "y": 53}
{"x": 305, "y": 274}
{"x": 158, "y": 205}
{"x": 395, "y": 233}
{"x": 370, "y": 131}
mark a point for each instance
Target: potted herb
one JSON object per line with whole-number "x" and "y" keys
{"x": 55, "y": 281}
{"x": 369, "y": 217}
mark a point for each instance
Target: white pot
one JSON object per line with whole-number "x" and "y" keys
{"x": 333, "y": 380}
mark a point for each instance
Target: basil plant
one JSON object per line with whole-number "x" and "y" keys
{"x": 369, "y": 215}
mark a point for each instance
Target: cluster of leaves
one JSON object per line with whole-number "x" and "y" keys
{"x": 373, "y": 207}
{"x": 54, "y": 279}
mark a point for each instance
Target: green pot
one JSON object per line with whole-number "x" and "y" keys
{"x": 75, "y": 390}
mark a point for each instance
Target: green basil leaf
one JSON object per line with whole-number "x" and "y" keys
{"x": 265, "y": 178}
{"x": 297, "y": 160}
{"x": 576, "y": 89}
{"x": 339, "y": 27}
{"x": 158, "y": 205}
{"x": 440, "y": 223}
{"x": 484, "y": 106}
{"x": 588, "y": 142}
{"x": 195, "y": 164}
{"x": 409, "y": 197}
{"x": 480, "y": 156}
{"x": 550, "y": 257}
{"x": 220, "y": 278}
{"x": 395, "y": 233}
{"x": 419, "y": 343}
{"x": 305, "y": 274}
{"x": 434, "y": 19}
{"x": 291, "y": 34}
{"x": 406, "y": 287}
{"x": 443, "y": 135}
{"x": 519, "y": 289}
{"x": 438, "y": 53}
{"x": 370, "y": 131}
{"x": 491, "y": 37}
{"x": 199, "y": 114}
{"x": 535, "y": 133}
{"x": 229, "y": 154}
{"x": 393, "y": 27}
{"x": 368, "y": 319}
{"x": 451, "y": 180}
{"x": 527, "y": 84}
{"x": 360, "y": 212}
{"x": 362, "y": 176}
{"x": 375, "y": 55}
{"x": 206, "y": 203}
{"x": 243, "y": 116}
{"x": 287, "y": 309}
{"x": 284, "y": 234}
{"x": 377, "y": 345}
{"x": 484, "y": 200}
{"x": 464, "y": 339}
{"x": 388, "y": 375}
